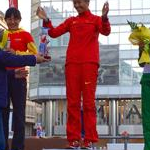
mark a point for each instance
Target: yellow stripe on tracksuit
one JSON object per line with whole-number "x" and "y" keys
{"x": 3, "y": 42}
{"x": 32, "y": 49}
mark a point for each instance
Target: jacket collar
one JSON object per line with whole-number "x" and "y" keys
{"x": 85, "y": 13}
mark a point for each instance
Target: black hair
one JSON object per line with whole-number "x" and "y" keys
{"x": 12, "y": 11}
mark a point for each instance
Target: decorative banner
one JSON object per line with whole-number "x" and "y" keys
{"x": 13, "y": 3}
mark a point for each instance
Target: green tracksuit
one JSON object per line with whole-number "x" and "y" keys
{"x": 145, "y": 83}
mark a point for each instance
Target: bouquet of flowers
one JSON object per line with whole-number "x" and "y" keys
{"x": 141, "y": 35}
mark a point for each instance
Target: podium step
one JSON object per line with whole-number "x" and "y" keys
{"x": 115, "y": 146}
{"x": 120, "y": 146}
{"x": 71, "y": 149}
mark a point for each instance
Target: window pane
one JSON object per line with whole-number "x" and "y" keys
{"x": 125, "y": 28}
{"x": 113, "y": 4}
{"x": 124, "y": 4}
{"x": 124, "y": 38}
{"x": 57, "y": 6}
{"x": 125, "y": 12}
{"x": 103, "y": 39}
{"x": 67, "y": 8}
{"x": 100, "y": 4}
{"x": 125, "y": 47}
{"x": 92, "y": 5}
{"x": 139, "y": 11}
{"x": 146, "y": 3}
{"x": 114, "y": 29}
{"x": 136, "y": 4}
{"x": 113, "y": 38}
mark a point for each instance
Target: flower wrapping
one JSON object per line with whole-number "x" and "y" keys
{"x": 141, "y": 35}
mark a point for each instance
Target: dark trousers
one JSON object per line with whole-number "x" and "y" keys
{"x": 17, "y": 95}
{"x": 2, "y": 138}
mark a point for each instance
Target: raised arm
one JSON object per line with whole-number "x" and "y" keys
{"x": 53, "y": 31}
{"x": 103, "y": 21}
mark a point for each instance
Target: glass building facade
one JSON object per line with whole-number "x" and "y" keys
{"x": 118, "y": 99}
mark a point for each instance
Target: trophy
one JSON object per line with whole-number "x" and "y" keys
{"x": 44, "y": 41}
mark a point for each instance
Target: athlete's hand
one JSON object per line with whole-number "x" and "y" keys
{"x": 41, "y": 13}
{"x": 40, "y": 59}
{"x": 10, "y": 50}
{"x": 105, "y": 9}
{"x": 21, "y": 73}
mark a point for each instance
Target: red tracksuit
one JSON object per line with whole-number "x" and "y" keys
{"x": 81, "y": 72}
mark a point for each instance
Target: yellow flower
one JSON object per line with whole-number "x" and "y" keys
{"x": 141, "y": 34}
